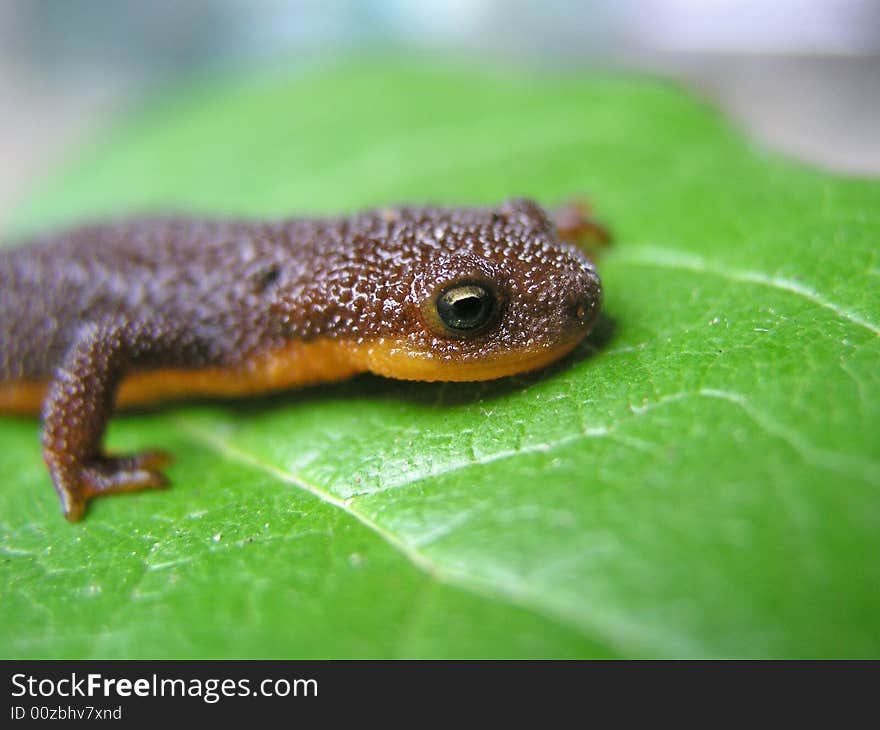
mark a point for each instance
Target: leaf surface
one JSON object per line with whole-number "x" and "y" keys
{"x": 701, "y": 478}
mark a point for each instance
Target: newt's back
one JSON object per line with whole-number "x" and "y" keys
{"x": 38, "y": 307}
{"x": 177, "y": 270}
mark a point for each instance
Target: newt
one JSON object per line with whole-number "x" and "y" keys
{"x": 138, "y": 311}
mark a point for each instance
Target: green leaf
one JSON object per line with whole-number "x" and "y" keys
{"x": 701, "y": 479}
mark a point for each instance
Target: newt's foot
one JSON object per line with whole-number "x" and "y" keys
{"x": 575, "y": 224}
{"x": 111, "y": 475}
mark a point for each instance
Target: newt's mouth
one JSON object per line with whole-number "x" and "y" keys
{"x": 395, "y": 359}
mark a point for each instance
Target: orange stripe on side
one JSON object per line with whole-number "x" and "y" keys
{"x": 297, "y": 363}
{"x": 393, "y": 359}
{"x": 22, "y": 397}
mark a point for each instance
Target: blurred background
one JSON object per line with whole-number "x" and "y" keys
{"x": 802, "y": 76}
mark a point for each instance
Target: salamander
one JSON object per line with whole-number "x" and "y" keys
{"x": 135, "y": 311}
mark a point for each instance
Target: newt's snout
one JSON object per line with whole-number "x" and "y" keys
{"x": 585, "y": 300}
{"x": 569, "y": 304}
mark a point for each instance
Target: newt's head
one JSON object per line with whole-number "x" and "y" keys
{"x": 472, "y": 294}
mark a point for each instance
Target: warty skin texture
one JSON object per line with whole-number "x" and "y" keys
{"x": 169, "y": 307}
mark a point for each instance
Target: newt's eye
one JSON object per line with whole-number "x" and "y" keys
{"x": 466, "y": 307}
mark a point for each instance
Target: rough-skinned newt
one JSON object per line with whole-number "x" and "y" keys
{"x": 137, "y": 311}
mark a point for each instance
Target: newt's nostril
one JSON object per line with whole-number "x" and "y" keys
{"x": 582, "y": 309}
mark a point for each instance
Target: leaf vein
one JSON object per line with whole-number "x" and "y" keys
{"x": 673, "y": 259}
{"x": 495, "y": 592}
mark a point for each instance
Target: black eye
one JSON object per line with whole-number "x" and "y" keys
{"x": 466, "y": 307}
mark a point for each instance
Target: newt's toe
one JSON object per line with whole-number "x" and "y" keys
{"x": 111, "y": 475}
{"x": 115, "y": 474}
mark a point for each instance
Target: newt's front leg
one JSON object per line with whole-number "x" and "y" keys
{"x": 575, "y": 223}
{"x": 78, "y": 405}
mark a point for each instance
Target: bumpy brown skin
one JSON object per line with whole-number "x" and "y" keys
{"x": 233, "y": 307}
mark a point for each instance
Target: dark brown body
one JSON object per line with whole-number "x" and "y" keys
{"x": 175, "y": 307}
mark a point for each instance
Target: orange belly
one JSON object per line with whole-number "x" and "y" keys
{"x": 297, "y": 363}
